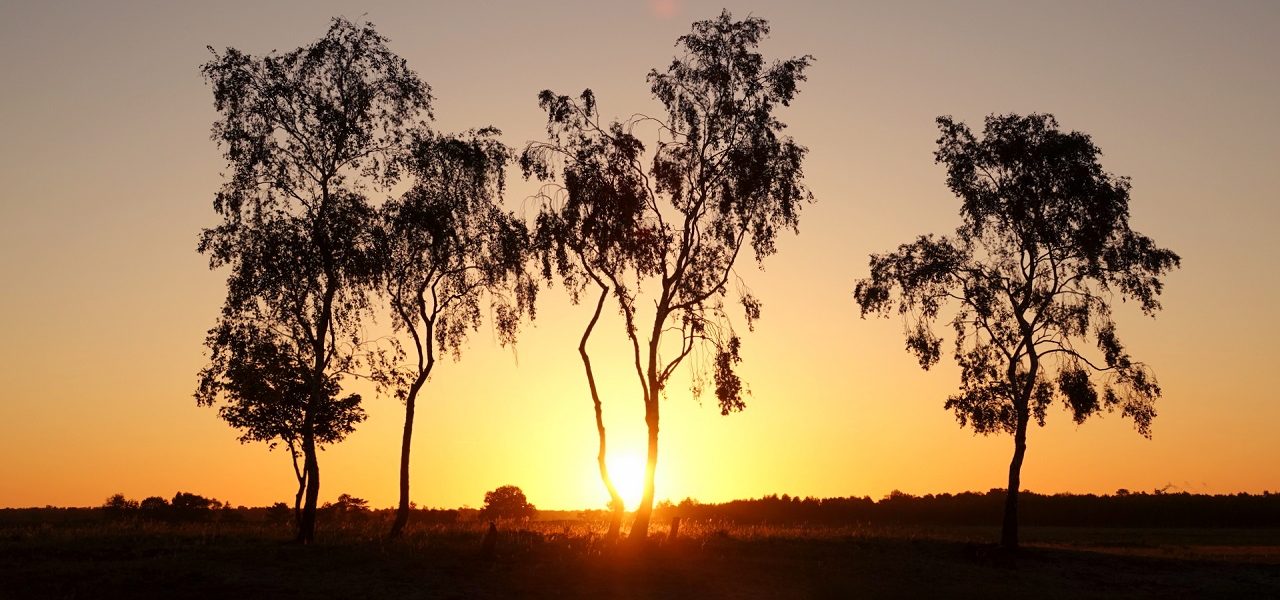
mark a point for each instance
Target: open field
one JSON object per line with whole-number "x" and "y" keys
{"x": 568, "y": 559}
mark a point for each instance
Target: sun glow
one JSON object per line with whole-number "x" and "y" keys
{"x": 627, "y": 472}
{"x": 664, "y": 9}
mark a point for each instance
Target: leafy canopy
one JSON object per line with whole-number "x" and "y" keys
{"x": 306, "y": 134}
{"x": 1044, "y": 247}
{"x": 265, "y": 394}
{"x": 721, "y": 176}
{"x": 507, "y": 502}
{"x": 446, "y": 245}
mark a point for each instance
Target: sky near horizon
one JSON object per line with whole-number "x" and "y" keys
{"x": 109, "y": 175}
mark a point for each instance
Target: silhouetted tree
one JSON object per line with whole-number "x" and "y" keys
{"x": 306, "y": 134}
{"x": 266, "y": 395}
{"x": 446, "y": 246}
{"x": 722, "y": 177}
{"x": 153, "y": 507}
{"x": 347, "y": 508}
{"x": 117, "y": 507}
{"x": 186, "y": 506}
{"x": 507, "y": 502}
{"x": 589, "y": 234}
{"x": 1044, "y": 246}
{"x": 349, "y": 503}
{"x": 279, "y": 512}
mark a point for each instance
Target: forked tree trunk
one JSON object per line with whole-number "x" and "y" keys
{"x": 311, "y": 467}
{"x": 402, "y": 511}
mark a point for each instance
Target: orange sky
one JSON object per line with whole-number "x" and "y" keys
{"x": 109, "y": 174}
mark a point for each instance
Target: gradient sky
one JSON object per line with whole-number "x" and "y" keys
{"x": 108, "y": 175}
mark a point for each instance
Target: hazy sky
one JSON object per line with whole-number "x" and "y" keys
{"x": 108, "y": 176}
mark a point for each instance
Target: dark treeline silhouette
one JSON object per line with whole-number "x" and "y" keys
{"x": 1155, "y": 509}
{"x": 1123, "y": 509}
{"x": 184, "y": 507}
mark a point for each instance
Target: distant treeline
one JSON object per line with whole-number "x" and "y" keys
{"x": 186, "y": 507}
{"x": 1124, "y": 509}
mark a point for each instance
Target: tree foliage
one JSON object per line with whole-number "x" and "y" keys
{"x": 721, "y": 176}
{"x": 445, "y": 247}
{"x": 1043, "y": 249}
{"x": 265, "y": 395}
{"x": 117, "y": 506}
{"x": 507, "y": 502}
{"x": 347, "y": 507}
{"x": 306, "y": 135}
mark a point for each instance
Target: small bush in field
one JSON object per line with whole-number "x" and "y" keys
{"x": 507, "y": 502}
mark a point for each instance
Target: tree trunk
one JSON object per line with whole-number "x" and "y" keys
{"x": 1009, "y": 532}
{"x": 616, "y": 505}
{"x": 307, "y": 525}
{"x": 297, "y": 503}
{"x": 1021, "y": 404}
{"x": 311, "y": 465}
{"x": 640, "y": 527}
{"x": 297, "y": 498}
{"x": 402, "y": 512}
{"x": 302, "y": 485}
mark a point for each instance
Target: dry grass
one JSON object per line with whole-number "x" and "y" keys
{"x": 570, "y": 558}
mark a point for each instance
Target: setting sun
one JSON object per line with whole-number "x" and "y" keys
{"x": 627, "y": 471}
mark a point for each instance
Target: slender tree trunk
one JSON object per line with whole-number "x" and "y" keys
{"x": 1009, "y": 532}
{"x": 1022, "y": 403}
{"x": 640, "y": 527}
{"x": 302, "y": 486}
{"x": 311, "y": 467}
{"x": 297, "y": 502}
{"x": 1009, "y": 529}
{"x": 402, "y": 512}
{"x": 311, "y": 464}
{"x": 616, "y": 505}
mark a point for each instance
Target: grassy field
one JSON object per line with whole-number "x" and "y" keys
{"x": 568, "y": 559}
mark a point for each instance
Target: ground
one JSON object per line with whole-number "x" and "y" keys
{"x": 569, "y": 560}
